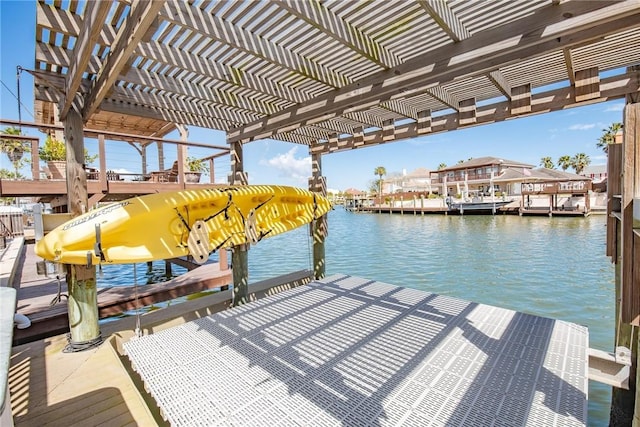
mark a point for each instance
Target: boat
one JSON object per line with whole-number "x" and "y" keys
{"x": 477, "y": 206}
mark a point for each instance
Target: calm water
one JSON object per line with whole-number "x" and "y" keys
{"x": 552, "y": 267}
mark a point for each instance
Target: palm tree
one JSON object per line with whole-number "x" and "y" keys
{"x": 564, "y": 162}
{"x": 608, "y": 136}
{"x": 380, "y": 171}
{"x": 579, "y": 162}
{"x": 13, "y": 148}
{"x": 442, "y": 166}
{"x": 547, "y": 163}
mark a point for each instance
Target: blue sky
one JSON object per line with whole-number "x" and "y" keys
{"x": 272, "y": 162}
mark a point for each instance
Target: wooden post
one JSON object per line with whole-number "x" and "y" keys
{"x": 103, "y": 164}
{"x": 182, "y": 153}
{"x": 82, "y": 307}
{"x": 625, "y": 404}
{"x": 240, "y": 271}
{"x": 239, "y": 254}
{"x": 318, "y": 228}
{"x": 224, "y": 265}
{"x": 81, "y": 280}
{"x": 143, "y": 156}
{"x": 160, "y": 156}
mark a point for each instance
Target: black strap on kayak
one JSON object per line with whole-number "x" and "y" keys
{"x": 97, "y": 247}
{"x": 223, "y": 210}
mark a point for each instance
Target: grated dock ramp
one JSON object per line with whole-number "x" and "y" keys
{"x": 347, "y": 351}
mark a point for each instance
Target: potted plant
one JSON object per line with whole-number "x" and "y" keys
{"x": 195, "y": 168}
{"x": 54, "y": 152}
{"x": 14, "y": 148}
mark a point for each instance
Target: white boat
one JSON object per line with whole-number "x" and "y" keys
{"x": 477, "y": 206}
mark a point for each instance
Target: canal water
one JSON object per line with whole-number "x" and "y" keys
{"x": 552, "y": 267}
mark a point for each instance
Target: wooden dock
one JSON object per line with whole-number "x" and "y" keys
{"x": 345, "y": 350}
{"x": 95, "y": 387}
{"x": 409, "y": 210}
{"x": 36, "y": 293}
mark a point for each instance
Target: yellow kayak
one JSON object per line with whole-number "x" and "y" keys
{"x": 174, "y": 224}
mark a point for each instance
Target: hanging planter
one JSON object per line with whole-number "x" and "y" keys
{"x": 14, "y": 148}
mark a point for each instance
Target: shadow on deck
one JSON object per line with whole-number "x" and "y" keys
{"x": 36, "y": 294}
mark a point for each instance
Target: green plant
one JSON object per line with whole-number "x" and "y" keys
{"x": 56, "y": 150}
{"x": 14, "y": 148}
{"x": 608, "y": 136}
{"x": 197, "y": 165}
{"x": 564, "y": 162}
{"x": 52, "y": 150}
{"x": 547, "y": 162}
{"x": 579, "y": 162}
{"x": 380, "y": 171}
{"x": 7, "y": 174}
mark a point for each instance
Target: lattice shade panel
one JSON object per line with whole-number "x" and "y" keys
{"x": 302, "y": 70}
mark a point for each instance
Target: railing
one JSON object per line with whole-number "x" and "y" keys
{"x": 454, "y": 179}
{"x": 100, "y": 179}
{"x": 566, "y": 187}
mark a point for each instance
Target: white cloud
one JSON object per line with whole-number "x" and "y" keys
{"x": 582, "y": 126}
{"x": 615, "y": 107}
{"x": 289, "y": 166}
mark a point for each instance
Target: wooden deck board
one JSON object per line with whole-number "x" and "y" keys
{"x": 60, "y": 386}
{"x": 35, "y": 294}
{"x": 95, "y": 387}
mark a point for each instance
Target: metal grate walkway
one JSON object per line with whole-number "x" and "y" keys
{"x": 354, "y": 352}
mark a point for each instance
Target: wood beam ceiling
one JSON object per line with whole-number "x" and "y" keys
{"x": 551, "y": 28}
{"x": 95, "y": 12}
{"x": 138, "y": 22}
{"x": 616, "y": 87}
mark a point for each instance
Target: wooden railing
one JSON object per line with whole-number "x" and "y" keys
{"x": 100, "y": 179}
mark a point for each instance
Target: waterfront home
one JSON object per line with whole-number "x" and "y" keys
{"x": 479, "y": 176}
{"x": 418, "y": 180}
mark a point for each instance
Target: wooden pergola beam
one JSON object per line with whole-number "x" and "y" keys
{"x": 444, "y": 97}
{"x": 68, "y": 23}
{"x": 521, "y": 99}
{"x": 318, "y": 16}
{"x": 116, "y": 136}
{"x": 615, "y": 87}
{"x": 568, "y": 60}
{"x": 446, "y": 19}
{"x": 500, "y": 82}
{"x": 547, "y": 30}
{"x": 231, "y": 75}
{"x": 142, "y": 16}
{"x": 243, "y": 91}
{"x": 94, "y": 16}
{"x": 209, "y": 25}
{"x": 587, "y": 84}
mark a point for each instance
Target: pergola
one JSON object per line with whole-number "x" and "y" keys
{"x": 329, "y": 74}
{"x": 337, "y": 75}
